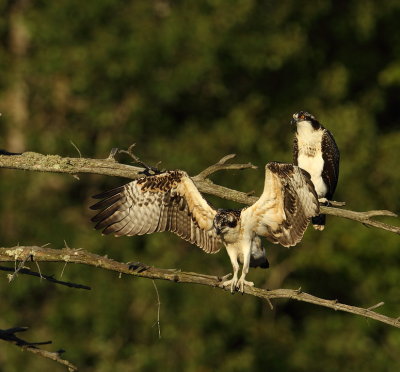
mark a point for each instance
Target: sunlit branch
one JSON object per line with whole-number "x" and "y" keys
{"x": 43, "y": 254}
{"x": 110, "y": 167}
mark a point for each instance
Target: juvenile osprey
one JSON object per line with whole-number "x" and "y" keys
{"x": 170, "y": 201}
{"x": 315, "y": 150}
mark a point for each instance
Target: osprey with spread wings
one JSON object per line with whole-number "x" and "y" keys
{"x": 170, "y": 201}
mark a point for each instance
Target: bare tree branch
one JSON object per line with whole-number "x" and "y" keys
{"x": 9, "y": 336}
{"x": 110, "y": 167}
{"x": 42, "y": 254}
{"x": 49, "y": 278}
{"x": 33, "y": 161}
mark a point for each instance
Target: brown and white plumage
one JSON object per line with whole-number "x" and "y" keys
{"x": 285, "y": 206}
{"x": 164, "y": 202}
{"x": 315, "y": 150}
{"x": 171, "y": 202}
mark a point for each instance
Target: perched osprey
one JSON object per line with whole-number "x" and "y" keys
{"x": 170, "y": 201}
{"x": 315, "y": 150}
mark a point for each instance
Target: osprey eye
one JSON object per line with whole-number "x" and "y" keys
{"x": 302, "y": 117}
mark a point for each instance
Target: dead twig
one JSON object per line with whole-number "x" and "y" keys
{"x": 158, "y": 309}
{"x": 49, "y": 278}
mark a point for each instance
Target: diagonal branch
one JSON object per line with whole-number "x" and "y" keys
{"x": 49, "y": 278}
{"x": 9, "y": 336}
{"x": 109, "y": 167}
{"x": 140, "y": 270}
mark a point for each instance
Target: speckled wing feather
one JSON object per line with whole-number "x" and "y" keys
{"x": 295, "y": 150}
{"x": 164, "y": 202}
{"x": 286, "y": 205}
{"x": 331, "y": 156}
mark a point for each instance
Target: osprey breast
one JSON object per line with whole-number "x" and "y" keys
{"x": 310, "y": 155}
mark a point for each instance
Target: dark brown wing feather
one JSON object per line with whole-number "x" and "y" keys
{"x": 165, "y": 202}
{"x": 300, "y": 204}
{"x": 331, "y": 156}
{"x": 295, "y": 150}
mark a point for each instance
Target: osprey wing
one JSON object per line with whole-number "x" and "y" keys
{"x": 286, "y": 205}
{"x": 164, "y": 202}
{"x": 331, "y": 156}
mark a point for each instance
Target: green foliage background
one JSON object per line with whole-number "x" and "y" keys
{"x": 189, "y": 82}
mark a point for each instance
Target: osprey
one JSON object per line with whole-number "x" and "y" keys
{"x": 315, "y": 150}
{"x": 170, "y": 201}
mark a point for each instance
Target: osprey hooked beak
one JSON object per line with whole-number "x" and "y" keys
{"x": 297, "y": 117}
{"x": 301, "y": 116}
{"x": 218, "y": 229}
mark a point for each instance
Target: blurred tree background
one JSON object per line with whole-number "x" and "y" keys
{"x": 189, "y": 82}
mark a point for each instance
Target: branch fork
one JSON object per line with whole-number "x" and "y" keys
{"x": 221, "y": 165}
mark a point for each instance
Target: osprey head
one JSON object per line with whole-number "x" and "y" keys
{"x": 225, "y": 220}
{"x": 304, "y": 116}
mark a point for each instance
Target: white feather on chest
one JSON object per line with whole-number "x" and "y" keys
{"x": 310, "y": 154}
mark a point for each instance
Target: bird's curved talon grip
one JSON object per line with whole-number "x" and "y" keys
{"x": 149, "y": 170}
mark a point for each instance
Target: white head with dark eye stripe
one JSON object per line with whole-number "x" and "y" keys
{"x": 304, "y": 116}
{"x": 226, "y": 222}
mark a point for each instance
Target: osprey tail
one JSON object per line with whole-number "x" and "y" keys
{"x": 261, "y": 262}
{"x": 258, "y": 257}
{"x": 319, "y": 222}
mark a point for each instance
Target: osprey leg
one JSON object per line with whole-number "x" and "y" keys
{"x": 232, "y": 252}
{"x": 318, "y": 222}
{"x": 245, "y": 269}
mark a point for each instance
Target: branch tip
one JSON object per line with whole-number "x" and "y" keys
{"x": 226, "y": 158}
{"x": 113, "y": 153}
{"x": 270, "y": 303}
{"x": 375, "y": 306}
{"x": 76, "y": 148}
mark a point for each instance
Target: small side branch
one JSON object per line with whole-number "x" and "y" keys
{"x": 158, "y": 309}
{"x": 221, "y": 165}
{"x": 8, "y": 335}
{"x": 82, "y": 257}
{"x": 49, "y": 278}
